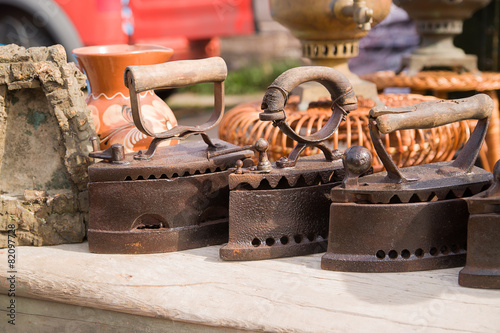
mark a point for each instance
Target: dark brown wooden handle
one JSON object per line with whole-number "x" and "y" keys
{"x": 432, "y": 113}
{"x": 175, "y": 74}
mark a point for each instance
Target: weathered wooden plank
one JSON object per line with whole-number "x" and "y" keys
{"x": 47, "y": 316}
{"x": 290, "y": 294}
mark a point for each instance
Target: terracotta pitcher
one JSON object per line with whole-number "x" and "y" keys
{"x": 109, "y": 99}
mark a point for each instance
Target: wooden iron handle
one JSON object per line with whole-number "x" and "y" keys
{"x": 171, "y": 75}
{"x": 432, "y": 113}
{"x": 175, "y": 74}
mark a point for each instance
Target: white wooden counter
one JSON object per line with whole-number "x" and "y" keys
{"x": 66, "y": 288}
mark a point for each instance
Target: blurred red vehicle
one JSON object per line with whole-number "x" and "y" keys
{"x": 190, "y": 27}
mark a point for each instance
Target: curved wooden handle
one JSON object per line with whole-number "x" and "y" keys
{"x": 432, "y": 113}
{"x": 175, "y": 74}
{"x": 170, "y": 75}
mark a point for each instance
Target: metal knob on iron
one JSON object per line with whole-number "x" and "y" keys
{"x": 482, "y": 268}
{"x": 168, "y": 198}
{"x": 413, "y": 218}
{"x": 261, "y": 146}
{"x": 284, "y": 211}
{"x": 114, "y": 154}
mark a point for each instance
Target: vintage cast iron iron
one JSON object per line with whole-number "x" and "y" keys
{"x": 482, "y": 268}
{"x": 281, "y": 210}
{"x": 169, "y": 198}
{"x": 414, "y": 218}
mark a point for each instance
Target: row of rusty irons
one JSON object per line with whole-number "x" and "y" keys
{"x": 190, "y": 196}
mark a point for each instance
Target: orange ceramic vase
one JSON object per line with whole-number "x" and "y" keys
{"x": 109, "y": 99}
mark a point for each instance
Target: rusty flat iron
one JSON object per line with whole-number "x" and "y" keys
{"x": 414, "y": 218}
{"x": 281, "y": 209}
{"x": 168, "y": 198}
{"x": 482, "y": 268}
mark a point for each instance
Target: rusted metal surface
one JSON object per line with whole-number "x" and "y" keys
{"x": 276, "y": 97}
{"x": 177, "y": 200}
{"x": 283, "y": 211}
{"x": 169, "y": 198}
{"x": 482, "y": 269}
{"x": 412, "y": 218}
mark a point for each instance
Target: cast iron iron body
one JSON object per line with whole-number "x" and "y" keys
{"x": 283, "y": 210}
{"x": 413, "y": 218}
{"x": 170, "y": 198}
{"x": 482, "y": 269}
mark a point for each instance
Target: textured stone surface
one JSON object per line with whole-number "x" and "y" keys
{"x": 45, "y": 128}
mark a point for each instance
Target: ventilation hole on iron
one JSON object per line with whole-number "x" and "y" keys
{"x": 393, "y": 254}
{"x": 380, "y": 254}
{"x": 315, "y": 50}
{"x": 484, "y": 188}
{"x": 454, "y": 248}
{"x": 150, "y": 221}
{"x": 414, "y": 198}
{"x": 284, "y": 240}
{"x": 152, "y": 177}
{"x": 128, "y": 178}
{"x": 433, "y": 251}
{"x": 150, "y": 226}
{"x": 450, "y": 195}
{"x": 297, "y": 238}
{"x": 467, "y": 193}
{"x": 197, "y": 172}
{"x": 444, "y": 249}
{"x": 217, "y": 169}
{"x": 301, "y": 182}
{"x": 335, "y": 50}
{"x": 324, "y": 235}
{"x": 270, "y": 241}
{"x": 163, "y": 176}
{"x": 264, "y": 185}
{"x": 175, "y": 175}
{"x": 405, "y": 254}
{"x": 419, "y": 253}
{"x": 395, "y": 199}
{"x": 186, "y": 174}
{"x": 256, "y": 242}
{"x": 431, "y": 197}
{"x": 208, "y": 170}
{"x": 311, "y": 237}
{"x": 325, "y": 50}
{"x": 283, "y": 183}
{"x": 140, "y": 178}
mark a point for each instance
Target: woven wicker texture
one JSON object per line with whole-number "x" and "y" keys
{"x": 436, "y": 80}
{"x": 440, "y": 83}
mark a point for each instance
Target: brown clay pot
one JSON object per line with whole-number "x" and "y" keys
{"x": 109, "y": 99}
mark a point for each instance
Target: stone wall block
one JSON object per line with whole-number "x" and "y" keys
{"x": 38, "y": 54}
{"x": 50, "y": 216}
